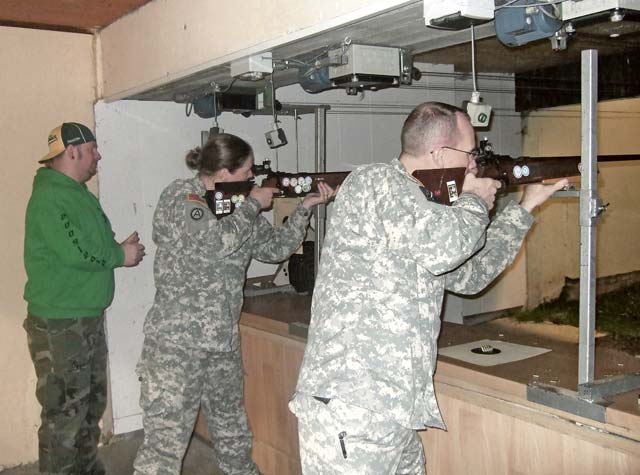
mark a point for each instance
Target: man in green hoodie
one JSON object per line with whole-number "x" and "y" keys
{"x": 69, "y": 255}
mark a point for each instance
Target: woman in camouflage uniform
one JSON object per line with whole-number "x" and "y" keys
{"x": 191, "y": 352}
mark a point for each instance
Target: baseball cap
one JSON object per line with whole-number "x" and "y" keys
{"x": 69, "y": 133}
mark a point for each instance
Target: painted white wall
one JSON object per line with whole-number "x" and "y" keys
{"x": 144, "y": 144}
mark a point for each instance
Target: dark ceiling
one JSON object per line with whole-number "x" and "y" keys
{"x": 493, "y": 56}
{"x": 81, "y": 16}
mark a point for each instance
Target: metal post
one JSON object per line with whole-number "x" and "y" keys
{"x": 321, "y": 167}
{"x": 590, "y": 398}
{"x": 589, "y": 210}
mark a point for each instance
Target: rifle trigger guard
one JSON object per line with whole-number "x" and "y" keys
{"x": 504, "y": 185}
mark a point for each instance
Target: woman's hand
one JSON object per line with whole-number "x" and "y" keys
{"x": 264, "y": 196}
{"x": 324, "y": 195}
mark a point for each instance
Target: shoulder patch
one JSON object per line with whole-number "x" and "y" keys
{"x": 196, "y": 198}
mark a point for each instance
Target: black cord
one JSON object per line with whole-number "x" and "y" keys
{"x": 229, "y": 86}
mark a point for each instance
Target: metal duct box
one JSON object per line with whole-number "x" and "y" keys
{"x": 457, "y": 14}
{"x": 252, "y": 68}
{"x": 364, "y": 60}
{"x": 574, "y": 10}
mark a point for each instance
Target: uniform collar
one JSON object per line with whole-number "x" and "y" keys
{"x": 397, "y": 165}
{"x": 198, "y": 186}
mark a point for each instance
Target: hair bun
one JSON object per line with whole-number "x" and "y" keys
{"x": 194, "y": 158}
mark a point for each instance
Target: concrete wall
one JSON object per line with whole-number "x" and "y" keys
{"x": 553, "y": 248}
{"x": 170, "y": 39}
{"x": 47, "y": 77}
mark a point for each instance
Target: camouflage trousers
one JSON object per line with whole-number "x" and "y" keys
{"x": 175, "y": 383}
{"x": 340, "y": 439}
{"x": 70, "y": 359}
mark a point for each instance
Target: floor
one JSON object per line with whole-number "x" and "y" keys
{"x": 118, "y": 456}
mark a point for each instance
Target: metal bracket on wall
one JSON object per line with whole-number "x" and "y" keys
{"x": 568, "y": 401}
{"x": 570, "y": 193}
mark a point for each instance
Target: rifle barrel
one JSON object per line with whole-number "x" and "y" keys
{"x": 601, "y": 158}
{"x": 618, "y": 158}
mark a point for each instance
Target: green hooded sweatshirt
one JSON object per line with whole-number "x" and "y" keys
{"x": 69, "y": 250}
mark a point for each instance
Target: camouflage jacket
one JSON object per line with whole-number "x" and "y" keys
{"x": 201, "y": 262}
{"x": 387, "y": 260}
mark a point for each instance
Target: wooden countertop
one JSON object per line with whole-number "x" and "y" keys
{"x": 275, "y": 312}
{"x": 286, "y": 307}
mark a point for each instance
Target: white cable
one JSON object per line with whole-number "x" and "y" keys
{"x": 295, "y": 121}
{"x": 555, "y": 15}
{"x": 506, "y": 4}
{"x": 473, "y": 57}
{"x": 273, "y": 104}
{"x": 215, "y": 104}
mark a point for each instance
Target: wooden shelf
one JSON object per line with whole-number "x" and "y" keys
{"x": 491, "y": 425}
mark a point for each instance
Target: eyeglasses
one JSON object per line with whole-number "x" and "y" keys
{"x": 472, "y": 155}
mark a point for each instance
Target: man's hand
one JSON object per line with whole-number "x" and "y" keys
{"x": 324, "y": 195}
{"x": 537, "y": 193}
{"x": 133, "y": 250}
{"x": 264, "y": 196}
{"x": 485, "y": 188}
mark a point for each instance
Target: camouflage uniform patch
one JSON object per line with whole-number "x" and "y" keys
{"x": 70, "y": 359}
{"x": 388, "y": 257}
{"x": 175, "y": 382}
{"x": 339, "y": 439}
{"x": 201, "y": 263}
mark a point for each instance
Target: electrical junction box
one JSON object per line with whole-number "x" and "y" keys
{"x": 457, "y": 14}
{"x": 276, "y": 137}
{"x": 369, "y": 67}
{"x": 479, "y": 113}
{"x": 367, "y": 60}
{"x": 572, "y": 9}
{"x": 252, "y": 68}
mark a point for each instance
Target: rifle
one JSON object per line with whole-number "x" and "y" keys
{"x": 444, "y": 185}
{"x": 440, "y": 185}
{"x": 227, "y": 196}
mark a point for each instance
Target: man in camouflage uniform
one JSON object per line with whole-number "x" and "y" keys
{"x": 69, "y": 256}
{"x": 191, "y": 353}
{"x": 366, "y": 382}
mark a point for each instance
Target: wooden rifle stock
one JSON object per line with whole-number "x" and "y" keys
{"x": 228, "y": 196}
{"x": 293, "y": 185}
{"x": 446, "y": 184}
{"x": 440, "y": 185}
